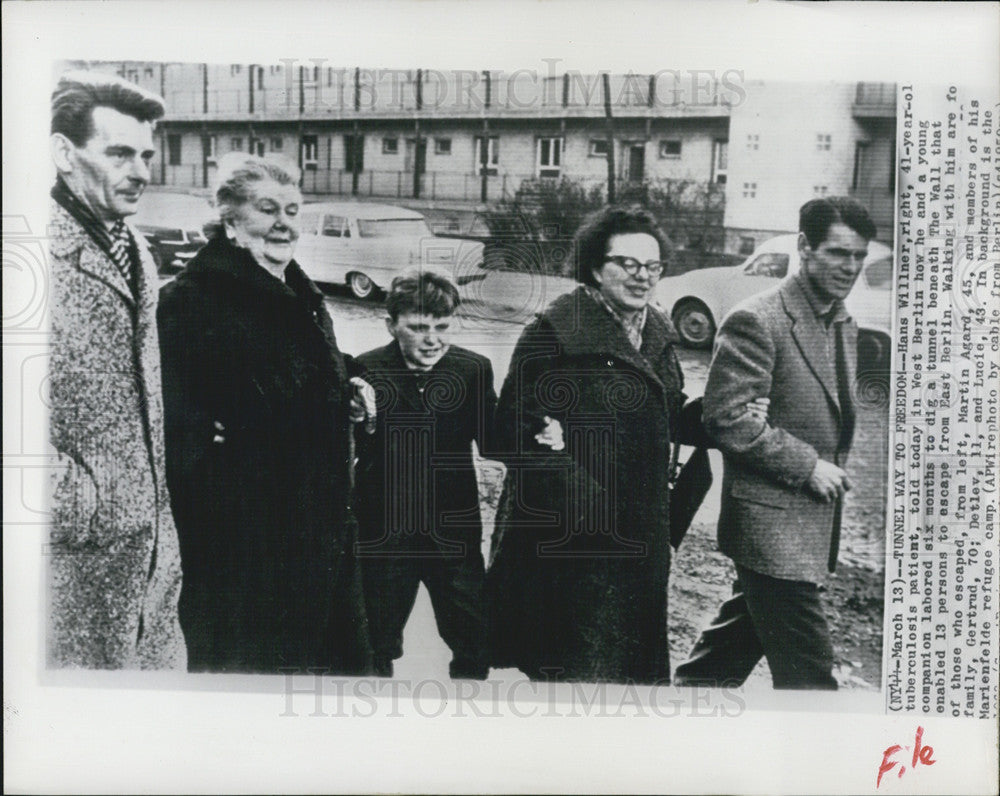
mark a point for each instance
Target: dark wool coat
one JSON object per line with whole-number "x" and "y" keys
{"x": 577, "y": 584}
{"x": 266, "y": 532}
{"x": 114, "y": 566}
{"x": 774, "y": 346}
{"x": 415, "y": 473}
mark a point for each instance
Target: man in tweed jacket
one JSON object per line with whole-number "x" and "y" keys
{"x": 784, "y": 482}
{"x": 114, "y": 565}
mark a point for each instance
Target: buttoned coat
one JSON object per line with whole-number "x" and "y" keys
{"x": 577, "y": 584}
{"x": 114, "y": 565}
{"x": 415, "y": 474}
{"x": 774, "y": 346}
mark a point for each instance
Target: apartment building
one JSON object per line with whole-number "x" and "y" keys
{"x": 466, "y": 139}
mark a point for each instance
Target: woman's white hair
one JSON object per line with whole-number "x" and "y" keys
{"x": 234, "y": 179}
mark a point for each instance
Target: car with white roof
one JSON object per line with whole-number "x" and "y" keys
{"x": 364, "y": 245}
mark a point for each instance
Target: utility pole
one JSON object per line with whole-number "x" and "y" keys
{"x": 610, "y": 125}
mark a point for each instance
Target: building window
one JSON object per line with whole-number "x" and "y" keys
{"x": 211, "y": 147}
{"x": 235, "y": 69}
{"x": 753, "y": 142}
{"x": 442, "y": 146}
{"x": 819, "y": 190}
{"x": 492, "y": 151}
{"x": 354, "y": 153}
{"x": 823, "y": 142}
{"x": 260, "y": 77}
{"x": 174, "y": 149}
{"x": 274, "y": 69}
{"x": 148, "y": 71}
{"x": 277, "y": 144}
{"x": 257, "y": 147}
{"x": 549, "y": 157}
{"x": 749, "y": 190}
{"x": 747, "y": 244}
{"x": 236, "y": 144}
{"x": 133, "y": 75}
{"x": 598, "y": 148}
{"x": 390, "y": 146}
{"x": 309, "y": 150}
{"x": 720, "y": 161}
{"x": 315, "y": 74}
{"x": 670, "y": 148}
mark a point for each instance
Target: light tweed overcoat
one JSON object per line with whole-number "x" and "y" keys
{"x": 773, "y": 346}
{"x": 114, "y": 565}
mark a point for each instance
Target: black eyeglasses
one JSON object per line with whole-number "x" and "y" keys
{"x": 632, "y": 266}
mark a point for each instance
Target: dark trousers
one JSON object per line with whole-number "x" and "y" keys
{"x": 455, "y": 585}
{"x": 781, "y": 620}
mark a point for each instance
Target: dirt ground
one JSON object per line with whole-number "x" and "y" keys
{"x": 701, "y": 577}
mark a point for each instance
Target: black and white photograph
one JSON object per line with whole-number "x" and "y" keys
{"x": 515, "y": 407}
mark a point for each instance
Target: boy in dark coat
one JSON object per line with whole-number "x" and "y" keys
{"x": 417, "y": 496}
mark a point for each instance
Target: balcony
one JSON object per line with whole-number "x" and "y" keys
{"x": 875, "y": 101}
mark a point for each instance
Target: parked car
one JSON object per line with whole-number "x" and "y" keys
{"x": 171, "y": 247}
{"x": 699, "y": 300}
{"x": 365, "y": 245}
{"x": 172, "y": 224}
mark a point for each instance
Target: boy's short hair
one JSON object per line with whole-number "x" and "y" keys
{"x": 422, "y": 291}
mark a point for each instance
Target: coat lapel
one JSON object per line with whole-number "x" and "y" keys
{"x": 810, "y": 337}
{"x": 585, "y": 328}
{"x": 68, "y": 235}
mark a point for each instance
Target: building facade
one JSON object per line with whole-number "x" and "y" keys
{"x": 462, "y": 140}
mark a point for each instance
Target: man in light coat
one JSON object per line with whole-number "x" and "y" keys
{"x": 784, "y": 483}
{"x": 114, "y": 566}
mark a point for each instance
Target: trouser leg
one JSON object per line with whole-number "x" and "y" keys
{"x": 726, "y": 651}
{"x": 791, "y": 625}
{"x": 390, "y": 587}
{"x": 455, "y": 585}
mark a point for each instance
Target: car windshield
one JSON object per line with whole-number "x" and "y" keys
{"x": 393, "y": 228}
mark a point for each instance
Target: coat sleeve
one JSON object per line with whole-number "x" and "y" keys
{"x": 519, "y": 417}
{"x": 486, "y": 431}
{"x": 188, "y": 424}
{"x": 741, "y": 371}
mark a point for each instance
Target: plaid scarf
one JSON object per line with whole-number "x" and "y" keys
{"x": 631, "y": 326}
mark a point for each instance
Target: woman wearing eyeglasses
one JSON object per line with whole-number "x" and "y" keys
{"x": 593, "y": 400}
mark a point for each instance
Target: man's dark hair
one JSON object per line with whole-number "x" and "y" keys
{"x": 817, "y": 216}
{"x": 79, "y": 92}
{"x": 599, "y": 227}
{"x": 421, "y": 291}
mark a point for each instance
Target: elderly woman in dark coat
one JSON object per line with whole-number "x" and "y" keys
{"x": 577, "y": 585}
{"x": 258, "y": 402}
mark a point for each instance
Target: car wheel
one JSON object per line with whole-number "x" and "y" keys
{"x": 694, "y": 323}
{"x": 361, "y": 286}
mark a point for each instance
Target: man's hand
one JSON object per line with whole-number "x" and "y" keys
{"x": 828, "y": 482}
{"x": 363, "y": 408}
